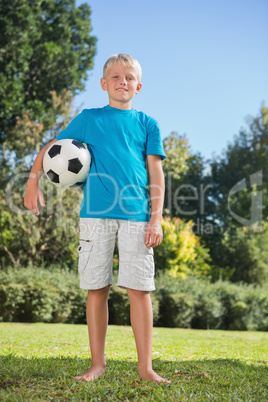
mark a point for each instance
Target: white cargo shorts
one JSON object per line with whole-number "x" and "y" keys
{"x": 98, "y": 238}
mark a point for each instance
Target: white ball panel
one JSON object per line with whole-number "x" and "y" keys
{"x": 59, "y": 164}
{"x": 68, "y": 179}
{"x": 70, "y": 150}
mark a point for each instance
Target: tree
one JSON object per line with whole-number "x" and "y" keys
{"x": 177, "y": 150}
{"x": 239, "y": 172}
{"x": 46, "y": 52}
{"x": 181, "y": 254}
{"x": 52, "y": 237}
{"x": 239, "y": 194}
{"x": 187, "y": 188}
{"x": 246, "y": 254}
{"x": 46, "y": 48}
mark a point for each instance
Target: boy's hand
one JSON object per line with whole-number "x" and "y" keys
{"x": 154, "y": 234}
{"x": 32, "y": 195}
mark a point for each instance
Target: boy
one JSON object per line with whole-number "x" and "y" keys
{"x": 115, "y": 207}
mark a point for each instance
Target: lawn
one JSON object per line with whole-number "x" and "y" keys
{"x": 39, "y": 362}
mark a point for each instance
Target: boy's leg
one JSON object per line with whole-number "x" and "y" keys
{"x": 97, "y": 320}
{"x": 96, "y": 248}
{"x": 141, "y": 315}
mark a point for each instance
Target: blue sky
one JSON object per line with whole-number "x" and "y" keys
{"x": 205, "y": 63}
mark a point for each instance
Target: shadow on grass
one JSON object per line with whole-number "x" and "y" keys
{"x": 13, "y": 369}
{"x": 53, "y": 378}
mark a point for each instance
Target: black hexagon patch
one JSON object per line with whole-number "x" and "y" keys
{"x": 54, "y": 177}
{"x": 54, "y": 151}
{"x": 74, "y": 165}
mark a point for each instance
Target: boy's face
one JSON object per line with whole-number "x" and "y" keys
{"x": 122, "y": 84}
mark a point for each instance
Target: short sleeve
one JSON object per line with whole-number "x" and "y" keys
{"x": 75, "y": 130}
{"x": 154, "y": 144}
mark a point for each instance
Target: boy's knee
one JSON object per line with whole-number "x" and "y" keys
{"x": 102, "y": 291}
{"x": 137, "y": 293}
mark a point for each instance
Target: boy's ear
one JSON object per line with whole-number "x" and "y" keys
{"x": 138, "y": 88}
{"x": 103, "y": 84}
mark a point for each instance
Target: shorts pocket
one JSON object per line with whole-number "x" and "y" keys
{"x": 84, "y": 250}
{"x": 149, "y": 263}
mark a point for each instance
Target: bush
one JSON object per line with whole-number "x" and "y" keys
{"x": 257, "y": 315}
{"x": 196, "y": 303}
{"x": 41, "y": 295}
{"x": 181, "y": 253}
{"x": 53, "y": 295}
{"x": 175, "y": 310}
{"x": 190, "y": 303}
{"x": 245, "y": 306}
{"x": 119, "y": 307}
{"x": 208, "y": 310}
{"x": 246, "y": 254}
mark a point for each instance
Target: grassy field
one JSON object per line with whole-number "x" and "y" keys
{"x": 39, "y": 362}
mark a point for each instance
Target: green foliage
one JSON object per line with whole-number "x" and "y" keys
{"x": 41, "y": 295}
{"x": 195, "y": 303}
{"x": 208, "y": 309}
{"x": 48, "y": 239}
{"x": 186, "y": 186}
{"x": 245, "y": 157}
{"x": 119, "y": 307}
{"x": 45, "y": 46}
{"x": 53, "y": 236}
{"x": 181, "y": 253}
{"x": 175, "y": 308}
{"x": 235, "y": 253}
{"x": 46, "y": 52}
{"x": 245, "y": 306}
{"x": 53, "y": 295}
{"x": 246, "y": 253}
{"x": 178, "y": 152}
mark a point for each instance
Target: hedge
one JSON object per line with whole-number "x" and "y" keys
{"x": 41, "y": 295}
{"x": 53, "y": 295}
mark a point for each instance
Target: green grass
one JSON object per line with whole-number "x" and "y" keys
{"x": 38, "y": 362}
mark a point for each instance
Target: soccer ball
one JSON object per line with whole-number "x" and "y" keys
{"x": 66, "y": 163}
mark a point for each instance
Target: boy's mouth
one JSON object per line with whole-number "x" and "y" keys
{"x": 121, "y": 89}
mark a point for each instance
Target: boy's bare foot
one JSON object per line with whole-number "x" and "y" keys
{"x": 92, "y": 374}
{"x": 151, "y": 376}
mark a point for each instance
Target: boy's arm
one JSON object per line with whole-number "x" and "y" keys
{"x": 33, "y": 192}
{"x": 154, "y": 233}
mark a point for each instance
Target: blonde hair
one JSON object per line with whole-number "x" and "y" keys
{"x": 126, "y": 60}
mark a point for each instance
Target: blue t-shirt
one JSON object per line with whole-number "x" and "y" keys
{"x": 118, "y": 140}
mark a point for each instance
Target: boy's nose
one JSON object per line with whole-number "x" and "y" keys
{"x": 123, "y": 81}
